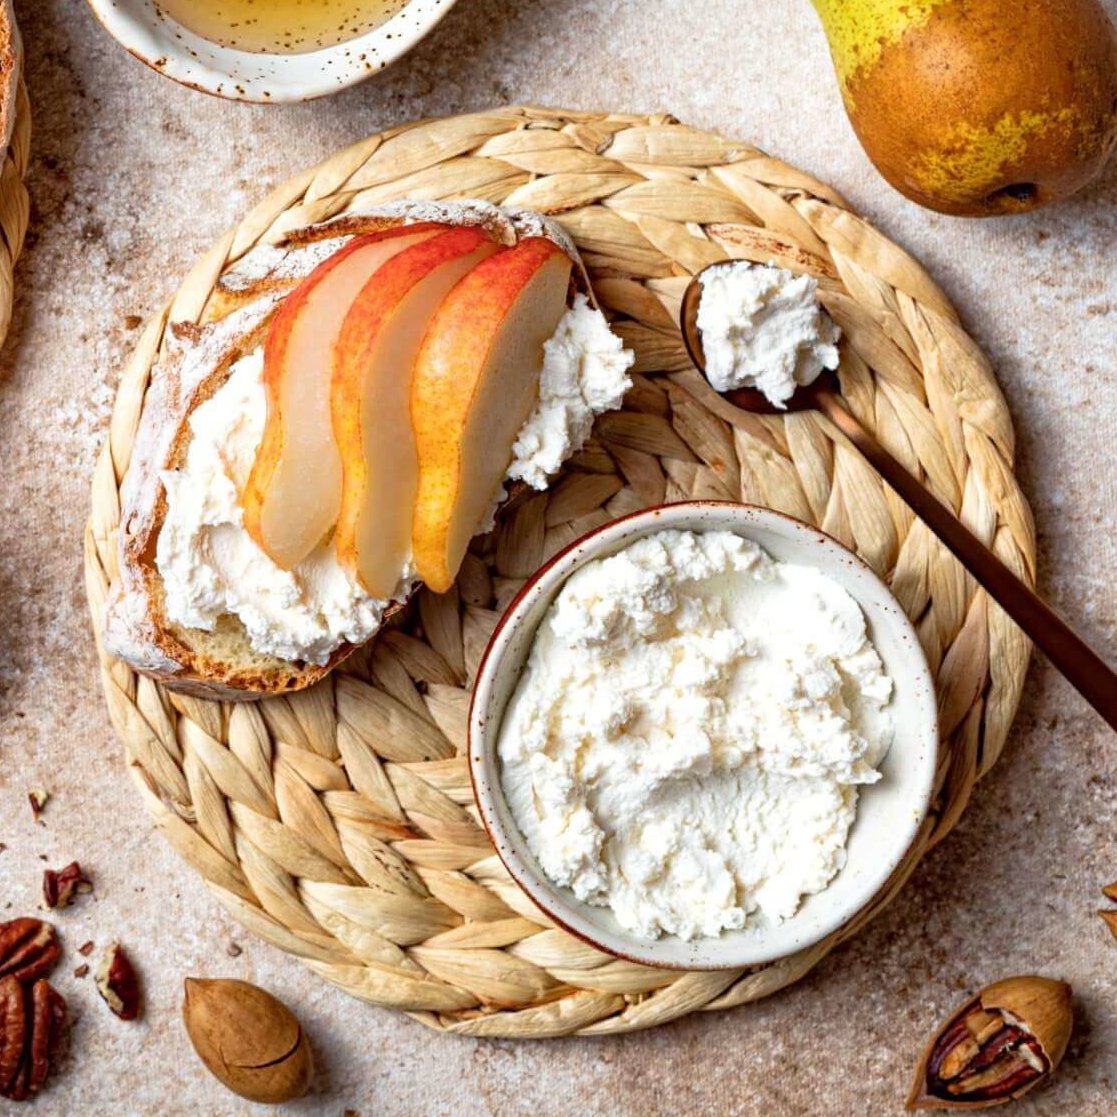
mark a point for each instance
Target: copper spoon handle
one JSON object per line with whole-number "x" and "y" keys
{"x": 1078, "y": 662}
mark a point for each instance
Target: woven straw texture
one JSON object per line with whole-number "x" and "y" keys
{"x": 339, "y": 823}
{"x": 15, "y": 205}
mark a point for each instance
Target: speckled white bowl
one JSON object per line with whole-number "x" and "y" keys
{"x": 167, "y": 47}
{"x": 889, "y": 813}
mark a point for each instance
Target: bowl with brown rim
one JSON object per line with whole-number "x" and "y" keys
{"x": 151, "y": 35}
{"x": 889, "y": 814}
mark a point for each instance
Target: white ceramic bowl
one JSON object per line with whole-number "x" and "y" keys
{"x": 167, "y": 47}
{"x": 889, "y": 813}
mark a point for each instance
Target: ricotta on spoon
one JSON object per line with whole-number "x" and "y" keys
{"x": 762, "y": 327}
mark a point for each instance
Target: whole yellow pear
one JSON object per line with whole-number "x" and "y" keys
{"x": 978, "y": 107}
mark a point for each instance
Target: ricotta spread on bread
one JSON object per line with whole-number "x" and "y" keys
{"x": 763, "y": 327}
{"x": 688, "y": 738}
{"x": 211, "y": 566}
{"x": 585, "y": 373}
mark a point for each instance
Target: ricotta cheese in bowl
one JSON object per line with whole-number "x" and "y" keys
{"x": 687, "y": 740}
{"x": 704, "y": 736}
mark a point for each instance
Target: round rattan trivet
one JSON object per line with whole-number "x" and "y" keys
{"x": 339, "y": 823}
{"x": 15, "y": 205}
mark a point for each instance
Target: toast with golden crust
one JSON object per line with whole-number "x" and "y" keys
{"x": 194, "y": 363}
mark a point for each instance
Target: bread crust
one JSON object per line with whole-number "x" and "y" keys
{"x": 11, "y": 67}
{"x": 193, "y": 365}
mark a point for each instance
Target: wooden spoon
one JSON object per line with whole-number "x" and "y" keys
{"x": 1078, "y": 662}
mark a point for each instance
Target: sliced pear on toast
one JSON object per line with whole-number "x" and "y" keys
{"x": 475, "y": 381}
{"x": 371, "y": 395}
{"x": 293, "y": 494}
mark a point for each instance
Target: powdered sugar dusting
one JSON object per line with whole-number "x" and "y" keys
{"x": 271, "y": 261}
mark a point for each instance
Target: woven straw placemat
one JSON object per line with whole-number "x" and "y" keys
{"x": 338, "y": 823}
{"x": 15, "y": 204}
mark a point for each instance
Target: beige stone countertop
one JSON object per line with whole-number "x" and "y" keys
{"x": 132, "y": 177}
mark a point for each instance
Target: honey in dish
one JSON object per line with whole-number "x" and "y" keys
{"x": 279, "y": 26}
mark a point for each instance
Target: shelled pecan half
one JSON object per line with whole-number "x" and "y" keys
{"x": 29, "y": 949}
{"x": 32, "y": 1021}
{"x": 13, "y": 1030}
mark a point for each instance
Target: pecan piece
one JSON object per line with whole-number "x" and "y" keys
{"x": 29, "y": 949}
{"x": 48, "y": 1021}
{"x": 117, "y": 983}
{"x": 13, "y": 1032}
{"x": 984, "y": 1057}
{"x": 60, "y": 887}
{"x": 37, "y": 797}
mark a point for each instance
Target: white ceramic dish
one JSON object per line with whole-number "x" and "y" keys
{"x": 167, "y": 47}
{"x": 889, "y": 813}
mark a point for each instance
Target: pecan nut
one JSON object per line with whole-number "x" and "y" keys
{"x": 59, "y": 888}
{"x": 29, "y": 949}
{"x": 250, "y": 1040}
{"x": 48, "y": 1021}
{"x": 995, "y": 1048}
{"x": 983, "y": 1056}
{"x": 13, "y": 1031}
{"x": 117, "y": 983}
{"x": 31, "y": 1026}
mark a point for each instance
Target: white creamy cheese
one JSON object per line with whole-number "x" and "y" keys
{"x": 585, "y": 372}
{"x": 763, "y": 327}
{"x": 211, "y": 566}
{"x": 687, "y": 739}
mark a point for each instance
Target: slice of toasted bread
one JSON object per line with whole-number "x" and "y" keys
{"x": 195, "y": 362}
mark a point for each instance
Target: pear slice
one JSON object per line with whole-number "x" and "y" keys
{"x": 293, "y": 493}
{"x": 371, "y": 398}
{"x": 476, "y": 379}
